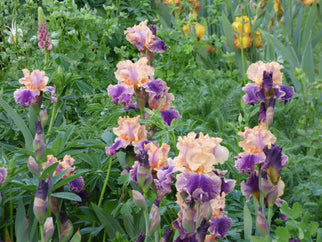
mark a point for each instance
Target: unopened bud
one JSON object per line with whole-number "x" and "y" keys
{"x": 43, "y": 117}
{"x": 155, "y": 218}
{"x": 41, "y": 201}
{"x": 261, "y": 223}
{"x": 139, "y": 200}
{"x": 49, "y": 229}
{"x": 39, "y": 144}
{"x": 66, "y": 227}
{"x": 33, "y": 166}
{"x": 53, "y": 205}
{"x": 144, "y": 177}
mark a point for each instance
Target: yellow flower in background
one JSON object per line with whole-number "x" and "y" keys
{"x": 199, "y": 28}
{"x": 258, "y": 43}
{"x": 278, "y": 9}
{"x": 309, "y": 2}
{"x": 200, "y": 31}
{"x": 186, "y": 29}
{"x": 247, "y": 41}
{"x": 242, "y": 25}
{"x": 242, "y": 28}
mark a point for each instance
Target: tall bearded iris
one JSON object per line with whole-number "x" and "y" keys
{"x": 35, "y": 84}
{"x": 143, "y": 38}
{"x": 266, "y": 88}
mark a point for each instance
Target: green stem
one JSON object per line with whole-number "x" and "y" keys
{"x": 11, "y": 215}
{"x": 52, "y": 119}
{"x": 146, "y": 219}
{"x": 156, "y": 236}
{"x": 269, "y": 216}
{"x": 41, "y": 228}
{"x": 243, "y": 62}
{"x": 105, "y": 183}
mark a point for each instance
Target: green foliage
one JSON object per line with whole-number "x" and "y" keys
{"x": 303, "y": 229}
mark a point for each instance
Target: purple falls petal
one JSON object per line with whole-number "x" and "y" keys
{"x": 157, "y": 46}
{"x": 157, "y": 89}
{"x": 119, "y": 143}
{"x": 246, "y": 162}
{"x": 284, "y": 94}
{"x": 251, "y": 187}
{"x": 165, "y": 177}
{"x": 254, "y": 94}
{"x": 77, "y": 184}
{"x": 25, "y": 97}
{"x": 199, "y": 187}
{"x": 169, "y": 115}
{"x": 273, "y": 162}
{"x": 219, "y": 226}
{"x": 120, "y": 94}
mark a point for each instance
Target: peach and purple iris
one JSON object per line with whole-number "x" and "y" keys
{"x": 129, "y": 132}
{"x": 267, "y": 79}
{"x": 143, "y": 38}
{"x": 160, "y": 98}
{"x": 253, "y": 144}
{"x": 197, "y": 156}
{"x": 35, "y": 84}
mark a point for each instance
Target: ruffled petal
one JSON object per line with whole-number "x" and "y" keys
{"x": 254, "y": 94}
{"x": 25, "y": 97}
{"x": 119, "y": 143}
{"x": 201, "y": 188}
{"x": 169, "y": 115}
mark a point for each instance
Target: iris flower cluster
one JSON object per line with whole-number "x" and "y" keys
{"x": 201, "y": 188}
{"x": 262, "y": 159}
{"x": 136, "y": 80}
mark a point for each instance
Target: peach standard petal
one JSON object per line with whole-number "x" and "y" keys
{"x": 255, "y": 72}
{"x": 158, "y": 156}
{"x": 134, "y": 74}
{"x": 130, "y": 130}
{"x": 256, "y": 139}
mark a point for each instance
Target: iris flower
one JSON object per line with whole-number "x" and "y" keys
{"x": 143, "y": 38}
{"x": 35, "y": 84}
{"x": 130, "y": 131}
{"x": 253, "y": 144}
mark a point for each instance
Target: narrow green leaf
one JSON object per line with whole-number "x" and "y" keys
{"x": 66, "y": 180}
{"x": 247, "y": 223}
{"x": 19, "y": 122}
{"x": 111, "y": 225}
{"x": 49, "y": 170}
{"x": 20, "y": 224}
{"x": 67, "y": 195}
{"x": 307, "y": 60}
